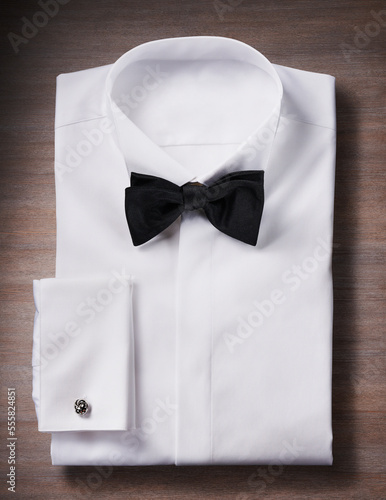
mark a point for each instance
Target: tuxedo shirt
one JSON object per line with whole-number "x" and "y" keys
{"x": 193, "y": 348}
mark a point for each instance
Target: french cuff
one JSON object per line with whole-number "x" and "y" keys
{"x": 83, "y": 349}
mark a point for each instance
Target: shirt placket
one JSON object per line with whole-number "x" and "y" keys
{"x": 194, "y": 341}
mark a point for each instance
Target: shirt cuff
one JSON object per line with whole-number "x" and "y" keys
{"x": 83, "y": 348}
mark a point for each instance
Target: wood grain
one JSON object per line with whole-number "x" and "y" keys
{"x": 306, "y": 34}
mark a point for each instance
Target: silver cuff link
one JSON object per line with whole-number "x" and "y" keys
{"x": 81, "y": 407}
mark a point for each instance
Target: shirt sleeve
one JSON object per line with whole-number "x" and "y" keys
{"x": 83, "y": 348}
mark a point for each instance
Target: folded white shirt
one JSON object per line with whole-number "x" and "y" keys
{"x": 193, "y": 348}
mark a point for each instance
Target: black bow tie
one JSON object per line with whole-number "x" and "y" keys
{"x": 233, "y": 204}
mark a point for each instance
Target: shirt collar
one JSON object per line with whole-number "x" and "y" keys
{"x": 141, "y": 153}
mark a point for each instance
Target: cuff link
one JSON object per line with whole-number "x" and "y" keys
{"x": 81, "y": 407}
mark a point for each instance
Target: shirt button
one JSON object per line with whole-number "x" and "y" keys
{"x": 81, "y": 406}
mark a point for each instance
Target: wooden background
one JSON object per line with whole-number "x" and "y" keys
{"x": 305, "y": 34}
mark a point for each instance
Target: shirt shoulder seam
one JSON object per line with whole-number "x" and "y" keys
{"x": 308, "y": 123}
{"x": 80, "y": 121}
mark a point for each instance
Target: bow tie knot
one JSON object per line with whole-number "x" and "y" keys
{"x": 194, "y": 196}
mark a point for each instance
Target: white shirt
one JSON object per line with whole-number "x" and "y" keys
{"x": 193, "y": 348}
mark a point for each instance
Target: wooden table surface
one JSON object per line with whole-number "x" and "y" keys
{"x": 346, "y": 39}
